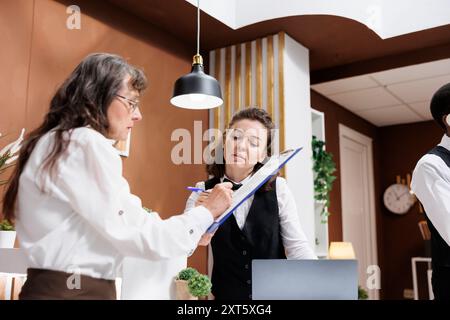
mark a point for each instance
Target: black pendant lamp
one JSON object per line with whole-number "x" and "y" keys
{"x": 197, "y": 90}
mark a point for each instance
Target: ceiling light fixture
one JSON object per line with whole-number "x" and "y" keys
{"x": 197, "y": 90}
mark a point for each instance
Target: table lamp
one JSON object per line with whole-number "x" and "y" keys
{"x": 341, "y": 250}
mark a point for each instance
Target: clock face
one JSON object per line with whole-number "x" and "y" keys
{"x": 398, "y": 199}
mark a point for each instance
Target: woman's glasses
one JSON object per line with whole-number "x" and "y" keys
{"x": 132, "y": 103}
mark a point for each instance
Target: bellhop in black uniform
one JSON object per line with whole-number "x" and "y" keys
{"x": 431, "y": 184}
{"x": 440, "y": 250}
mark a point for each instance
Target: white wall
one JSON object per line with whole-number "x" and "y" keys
{"x": 298, "y": 131}
{"x": 297, "y": 111}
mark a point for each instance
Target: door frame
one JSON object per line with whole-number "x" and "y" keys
{"x": 347, "y": 133}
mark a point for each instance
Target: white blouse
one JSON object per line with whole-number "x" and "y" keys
{"x": 294, "y": 240}
{"x": 85, "y": 217}
{"x": 431, "y": 184}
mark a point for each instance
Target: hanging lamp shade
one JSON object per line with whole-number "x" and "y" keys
{"x": 197, "y": 90}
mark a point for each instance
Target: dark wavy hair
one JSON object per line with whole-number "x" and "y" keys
{"x": 82, "y": 100}
{"x": 217, "y": 170}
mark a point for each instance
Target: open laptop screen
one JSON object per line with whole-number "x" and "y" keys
{"x": 282, "y": 279}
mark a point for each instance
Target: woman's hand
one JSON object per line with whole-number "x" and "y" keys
{"x": 219, "y": 199}
{"x": 202, "y": 198}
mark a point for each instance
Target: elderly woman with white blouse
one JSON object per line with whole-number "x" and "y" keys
{"x": 72, "y": 208}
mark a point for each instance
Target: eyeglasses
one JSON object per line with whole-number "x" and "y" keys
{"x": 238, "y": 135}
{"x": 132, "y": 103}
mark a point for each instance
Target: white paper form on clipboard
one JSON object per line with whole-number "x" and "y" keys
{"x": 271, "y": 166}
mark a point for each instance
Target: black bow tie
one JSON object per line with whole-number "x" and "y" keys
{"x": 235, "y": 185}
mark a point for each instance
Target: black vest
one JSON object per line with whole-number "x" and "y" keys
{"x": 234, "y": 249}
{"x": 440, "y": 250}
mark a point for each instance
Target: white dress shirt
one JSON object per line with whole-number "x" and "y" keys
{"x": 85, "y": 218}
{"x": 431, "y": 184}
{"x": 294, "y": 240}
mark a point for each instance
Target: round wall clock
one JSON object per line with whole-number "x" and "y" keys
{"x": 398, "y": 199}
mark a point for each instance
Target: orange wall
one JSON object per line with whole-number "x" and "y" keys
{"x": 38, "y": 52}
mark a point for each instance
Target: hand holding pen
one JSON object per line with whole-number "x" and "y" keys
{"x": 216, "y": 200}
{"x": 194, "y": 189}
{"x": 202, "y": 197}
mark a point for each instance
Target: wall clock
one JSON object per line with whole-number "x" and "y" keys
{"x": 398, "y": 199}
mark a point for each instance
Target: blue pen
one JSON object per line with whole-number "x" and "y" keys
{"x": 195, "y": 189}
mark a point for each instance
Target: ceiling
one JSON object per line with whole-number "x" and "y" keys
{"x": 333, "y": 41}
{"x": 386, "y": 81}
{"x": 395, "y": 96}
{"x": 381, "y": 16}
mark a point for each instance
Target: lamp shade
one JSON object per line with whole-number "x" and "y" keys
{"x": 341, "y": 250}
{"x": 197, "y": 90}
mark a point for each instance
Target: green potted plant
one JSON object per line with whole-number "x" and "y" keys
{"x": 190, "y": 284}
{"x": 362, "y": 293}
{"x": 8, "y": 156}
{"x": 323, "y": 167}
{"x": 199, "y": 285}
{"x": 7, "y": 234}
{"x": 187, "y": 274}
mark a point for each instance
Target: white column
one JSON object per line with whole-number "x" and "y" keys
{"x": 298, "y": 131}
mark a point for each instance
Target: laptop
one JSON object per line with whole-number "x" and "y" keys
{"x": 281, "y": 279}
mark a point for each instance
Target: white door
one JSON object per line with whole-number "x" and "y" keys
{"x": 358, "y": 207}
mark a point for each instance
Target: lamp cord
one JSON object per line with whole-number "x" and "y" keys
{"x": 198, "y": 26}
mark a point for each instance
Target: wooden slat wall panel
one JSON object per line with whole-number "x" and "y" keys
{"x": 267, "y": 81}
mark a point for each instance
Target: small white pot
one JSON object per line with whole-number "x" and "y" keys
{"x": 7, "y": 239}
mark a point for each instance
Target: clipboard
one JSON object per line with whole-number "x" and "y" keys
{"x": 271, "y": 166}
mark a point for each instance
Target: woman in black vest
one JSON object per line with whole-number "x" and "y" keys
{"x": 266, "y": 226}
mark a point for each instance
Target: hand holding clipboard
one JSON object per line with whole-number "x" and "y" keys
{"x": 270, "y": 168}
